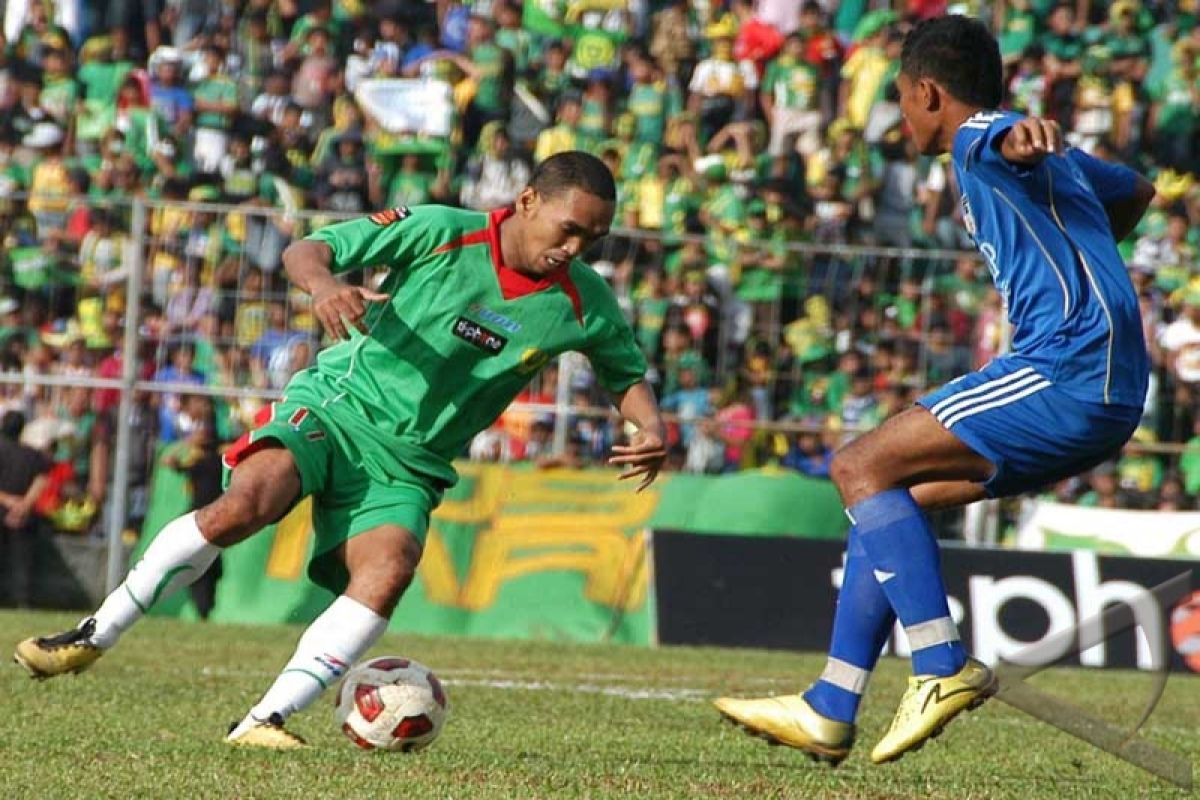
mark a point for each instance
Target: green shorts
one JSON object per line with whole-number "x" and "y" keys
{"x": 346, "y": 501}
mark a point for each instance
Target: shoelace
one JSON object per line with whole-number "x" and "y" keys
{"x": 74, "y": 636}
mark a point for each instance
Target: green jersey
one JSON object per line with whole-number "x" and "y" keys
{"x": 102, "y": 80}
{"x": 1064, "y": 48}
{"x": 648, "y": 102}
{"x": 593, "y": 123}
{"x": 1176, "y": 111}
{"x": 792, "y": 84}
{"x": 1018, "y": 31}
{"x": 410, "y": 189}
{"x": 520, "y": 44}
{"x": 461, "y": 336}
{"x": 216, "y": 89}
{"x": 489, "y": 59}
{"x": 678, "y": 203}
{"x": 57, "y": 98}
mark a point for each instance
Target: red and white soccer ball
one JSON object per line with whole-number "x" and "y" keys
{"x": 391, "y": 703}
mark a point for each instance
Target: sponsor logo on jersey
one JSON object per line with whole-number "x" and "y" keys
{"x": 532, "y": 360}
{"x": 390, "y": 215}
{"x": 968, "y": 217}
{"x": 488, "y": 341}
{"x": 494, "y": 317}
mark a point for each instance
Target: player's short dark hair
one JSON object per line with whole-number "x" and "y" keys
{"x": 959, "y": 53}
{"x": 574, "y": 169}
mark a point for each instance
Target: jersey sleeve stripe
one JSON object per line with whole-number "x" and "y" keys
{"x": 467, "y": 239}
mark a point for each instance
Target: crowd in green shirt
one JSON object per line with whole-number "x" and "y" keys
{"x": 261, "y": 108}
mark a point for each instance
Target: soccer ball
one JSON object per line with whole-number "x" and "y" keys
{"x": 391, "y": 703}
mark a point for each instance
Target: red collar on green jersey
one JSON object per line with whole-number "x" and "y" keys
{"x": 515, "y": 284}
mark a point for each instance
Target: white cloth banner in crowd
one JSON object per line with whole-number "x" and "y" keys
{"x": 408, "y": 106}
{"x": 67, "y": 13}
{"x": 1151, "y": 534}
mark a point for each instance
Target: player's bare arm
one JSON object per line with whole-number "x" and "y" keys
{"x": 1124, "y": 214}
{"x": 309, "y": 265}
{"x": 1031, "y": 140}
{"x": 647, "y": 449}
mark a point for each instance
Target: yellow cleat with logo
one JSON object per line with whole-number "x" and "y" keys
{"x": 269, "y": 734}
{"x": 791, "y": 721}
{"x": 928, "y": 706}
{"x": 48, "y": 656}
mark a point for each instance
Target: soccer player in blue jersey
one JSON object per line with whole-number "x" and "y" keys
{"x": 1067, "y": 396}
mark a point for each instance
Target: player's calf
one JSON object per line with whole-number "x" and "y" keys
{"x": 381, "y": 564}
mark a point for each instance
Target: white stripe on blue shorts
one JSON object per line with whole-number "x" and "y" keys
{"x": 992, "y": 394}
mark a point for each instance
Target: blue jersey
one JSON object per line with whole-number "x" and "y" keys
{"x": 1045, "y": 236}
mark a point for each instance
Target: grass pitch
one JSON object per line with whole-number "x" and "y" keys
{"x": 529, "y": 720}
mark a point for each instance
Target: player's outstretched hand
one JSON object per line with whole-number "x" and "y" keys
{"x": 643, "y": 456}
{"x": 341, "y": 305}
{"x": 1031, "y": 140}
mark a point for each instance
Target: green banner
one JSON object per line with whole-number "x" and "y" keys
{"x": 516, "y": 552}
{"x": 762, "y": 502}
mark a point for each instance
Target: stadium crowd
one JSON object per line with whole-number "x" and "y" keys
{"x": 752, "y": 143}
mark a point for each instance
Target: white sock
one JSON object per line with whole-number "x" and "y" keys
{"x": 333, "y": 642}
{"x": 177, "y": 556}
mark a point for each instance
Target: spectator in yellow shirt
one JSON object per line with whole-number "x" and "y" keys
{"x": 563, "y": 136}
{"x": 866, "y": 68}
{"x": 49, "y": 185}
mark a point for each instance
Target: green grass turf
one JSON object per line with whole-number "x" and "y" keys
{"x": 529, "y": 720}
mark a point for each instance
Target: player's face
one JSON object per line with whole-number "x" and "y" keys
{"x": 915, "y": 108}
{"x": 560, "y": 227}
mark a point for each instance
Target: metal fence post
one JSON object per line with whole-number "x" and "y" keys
{"x": 119, "y": 505}
{"x": 562, "y": 403}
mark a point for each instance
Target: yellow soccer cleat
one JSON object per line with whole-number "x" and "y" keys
{"x": 269, "y": 735}
{"x": 70, "y": 651}
{"x": 790, "y": 720}
{"x": 929, "y": 704}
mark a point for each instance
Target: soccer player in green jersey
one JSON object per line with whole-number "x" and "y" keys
{"x": 472, "y": 307}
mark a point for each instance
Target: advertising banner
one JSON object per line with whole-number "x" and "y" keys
{"x": 1162, "y": 534}
{"x": 780, "y": 593}
{"x": 517, "y": 552}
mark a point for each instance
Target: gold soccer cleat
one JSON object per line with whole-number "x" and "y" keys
{"x": 929, "y": 704}
{"x": 269, "y": 735}
{"x": 790, "y": 720}
{"x": 70, "y": 651}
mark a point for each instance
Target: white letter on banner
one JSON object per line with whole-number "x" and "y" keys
{"x": 1091, "y": 596}
{"x": 988, "y": 597}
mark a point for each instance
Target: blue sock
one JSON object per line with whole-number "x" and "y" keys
{"x": 907, "y": 563}
{"x": 861, "y": 625}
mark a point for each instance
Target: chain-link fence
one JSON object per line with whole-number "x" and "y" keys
{"x": 178, "y": 317}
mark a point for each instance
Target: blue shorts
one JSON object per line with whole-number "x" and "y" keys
{"x": 1033, "y": 432}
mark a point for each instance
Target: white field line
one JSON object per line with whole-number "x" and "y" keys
{"x": 624, "y": 692}
{"x": 627, "y": 686}
{"x": 510, "y": 681}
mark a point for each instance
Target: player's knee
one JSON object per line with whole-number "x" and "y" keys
{"x": 234, "y": 516}
{"x": 845, "y": 469}
{"x": 380, "y": 582}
